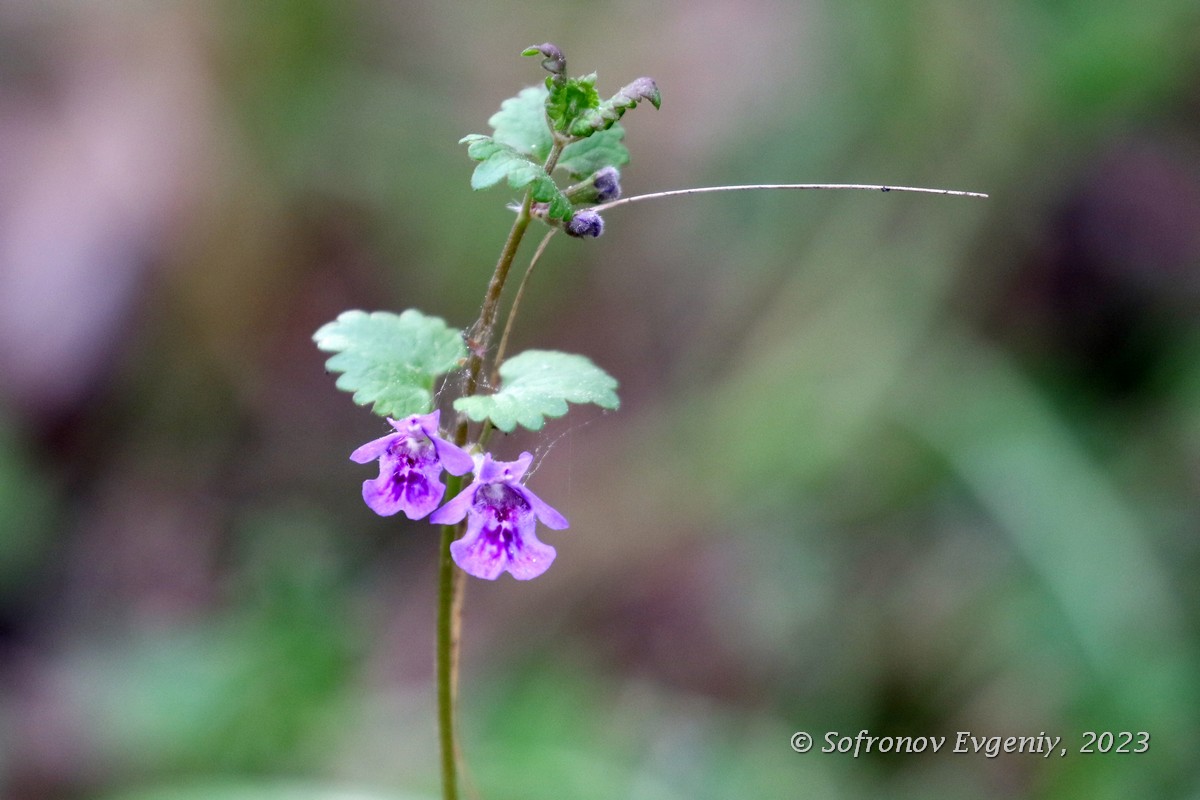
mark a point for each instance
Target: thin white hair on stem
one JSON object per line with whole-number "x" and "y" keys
{"x": 754, "y": 187}
{"x": 451, "y": 381}
{"x": 440, "y": 390}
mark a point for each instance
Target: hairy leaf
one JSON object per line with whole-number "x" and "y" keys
{"x": 500, "y": 161}
{"x": 537, "y": 384}
{"x": 600, "y": 150}
{"x": 390, "y": 360}
{"x": 521, "y": 123}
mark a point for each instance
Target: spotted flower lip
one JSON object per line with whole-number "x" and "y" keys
{"x": 411, "y": 461}
{"x": 500, "y": 514}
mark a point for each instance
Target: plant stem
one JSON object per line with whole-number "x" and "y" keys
{"x": 449, "y": 609}
{"x": 516, "y": 303}
{"x": 450, "y": 579}
{"x": 448, "y": 624}
{"x": 486, "y": 432}
{"x": 481, "y": 333}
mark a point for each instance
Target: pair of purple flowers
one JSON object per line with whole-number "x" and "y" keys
{"x": 499, "y": 510}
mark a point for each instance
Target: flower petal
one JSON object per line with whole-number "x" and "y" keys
{"x": 531, "y": 558}
{"x": 518, "y": 468}
{"x": 429, "y": 422}
{"x": 475, "y": 554}
{"x": 492, "y": 546}
{"x": 379, "y": 497}
{"x": 456, "y": 509}
{"x": 489, "y": 469}
{"x": 544, "y": 511}
{"x": 373, "y": 449}
{"x": 454, "y": 459}
{"x": 409, "y": 490}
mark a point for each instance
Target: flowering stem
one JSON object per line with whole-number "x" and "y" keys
{"x": 450, "y": 578}
{"x": 516, "y": 303}
{"x": 448, "y": 625}
{"x": 481, "y": 332}
{"x": 449, "y": 584}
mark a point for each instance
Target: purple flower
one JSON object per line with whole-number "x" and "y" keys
{"x": 411, "y": 461}
{"x": 500, "y": 522}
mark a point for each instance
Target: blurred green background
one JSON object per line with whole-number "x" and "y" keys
{"x": 909, "y": 464}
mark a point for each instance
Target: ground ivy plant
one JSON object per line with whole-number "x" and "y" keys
{"x": 559, "y": 147}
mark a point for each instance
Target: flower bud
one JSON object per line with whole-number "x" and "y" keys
{"x": 586, "y": 224}
{"x": 554, "y": 62}
{"x": 643, "y": 88}
{"x": 603, "y": 185}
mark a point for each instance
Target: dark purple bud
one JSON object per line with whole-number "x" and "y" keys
{"x": 602, "y": 186}
{"x": 586, "y": 224}
{"x": 607, "y": 183}
{"x": 554, "y": 62}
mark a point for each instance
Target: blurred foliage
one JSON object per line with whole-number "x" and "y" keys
{"x": 27, "y": 513}
{"x": 905, "y": 464}
{"x": 257, "y": 791}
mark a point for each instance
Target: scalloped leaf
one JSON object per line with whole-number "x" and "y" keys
{"x": 496, "y": 162}
{"x": 500, "y": 161}
{"x": 537, "y": 384}
{"x": 521, "y": 123}
{"x": 390, "y": 360}
{"x": 601, "y": 149}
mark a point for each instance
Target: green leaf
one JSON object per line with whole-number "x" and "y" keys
{"x": 500, "y": 161}
{"x": 521, "y": 123}
{"x": 538, "y": 384}
{"x": 601, "y": 149}
{"x": 390, "y": 360}
{"x": 497, "y": 161}
{"x": 570, "y": 101}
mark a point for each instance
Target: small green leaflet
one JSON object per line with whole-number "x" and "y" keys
{"x": 570, "y": 100}
{"x": 498, "y": 162}
{"x": 538, "y": 384}
{"x": 390, "y": 360}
